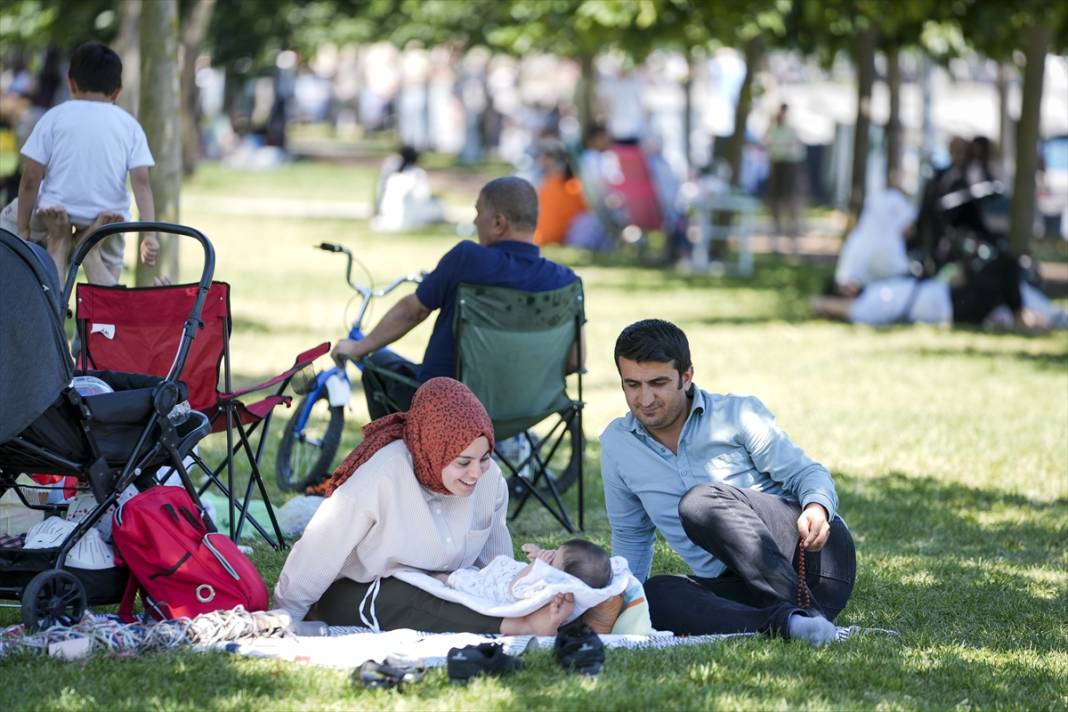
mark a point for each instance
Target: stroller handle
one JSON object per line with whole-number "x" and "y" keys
{"x": 94, "y": 238}
{"x": 192, "y": 323}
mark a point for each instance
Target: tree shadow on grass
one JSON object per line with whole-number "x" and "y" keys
{"x": 762, "y": 673}
{"x": 149, "y": 681}
{"x": 1050, "y": 361}
{"x": 945, "y": 562}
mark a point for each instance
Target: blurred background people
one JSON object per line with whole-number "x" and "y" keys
{"x": 403, "y": 200}
{"x": 786, "y": 153}
{"x": 559, "y": 194}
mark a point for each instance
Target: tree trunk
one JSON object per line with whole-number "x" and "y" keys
{"x": 586, "y": 84}
{"x": 196, "y": 26}
{"x": 754, "y": 56}
{"x": 1005, "y": 139}
{"x": 159, "y": 115}
{"x": 927, "y": 142}
{"x": 687, "y": 109}
{"x": 1021, "y": 227}
{"x": 865, "y": 65}
{"x": 894, "y": 142}
{"x": 128, "y": 47}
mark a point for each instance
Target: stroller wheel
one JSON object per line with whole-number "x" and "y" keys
{"x": 53, "y": 597}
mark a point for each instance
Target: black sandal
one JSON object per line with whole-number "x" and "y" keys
{"x": 379, "y": 676}
{"x": 579, "y": 649}
{"x": 473, "y": 660}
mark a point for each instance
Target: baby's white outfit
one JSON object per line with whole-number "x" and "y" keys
{"x": 494, "y": 582}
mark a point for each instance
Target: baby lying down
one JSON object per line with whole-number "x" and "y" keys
{"x": 506, "y": 580}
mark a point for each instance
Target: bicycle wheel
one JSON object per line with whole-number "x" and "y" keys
{"x": 304, "y": 458}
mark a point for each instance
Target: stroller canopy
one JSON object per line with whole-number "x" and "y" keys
{"x": 35, "y": 362}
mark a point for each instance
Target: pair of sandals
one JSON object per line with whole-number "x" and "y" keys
{"x": 576, "y": 648}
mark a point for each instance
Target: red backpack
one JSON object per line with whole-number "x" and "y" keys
{"x": 181, "y": 569}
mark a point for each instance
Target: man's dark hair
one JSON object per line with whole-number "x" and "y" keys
{"x": 515, "y": 199}
{"x": 587, "y": 562}
{"x": 654, "y": 340}
{"x": 95, "y": 67}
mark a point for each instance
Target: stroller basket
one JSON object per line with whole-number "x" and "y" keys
{"x": 117, "y": 420}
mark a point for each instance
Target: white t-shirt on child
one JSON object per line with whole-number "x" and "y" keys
{"x": 87, "y": 148}
{"x": 494, "y": 582}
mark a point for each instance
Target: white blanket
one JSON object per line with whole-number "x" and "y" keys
{"x": 585, "y": 597}
{"x": 347, "y": 649}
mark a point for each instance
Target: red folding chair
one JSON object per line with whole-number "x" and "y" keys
{"x": 135, "y": 330}
{"x": 637, "y": 189}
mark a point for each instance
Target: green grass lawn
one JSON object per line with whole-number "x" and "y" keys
{"x": 949, "y": 448}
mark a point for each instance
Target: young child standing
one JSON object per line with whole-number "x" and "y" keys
{"x": 75, "y": 164}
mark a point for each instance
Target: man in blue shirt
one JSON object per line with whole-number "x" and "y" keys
{"x": 731, "y": 494}
{"x": 506, "y": 214}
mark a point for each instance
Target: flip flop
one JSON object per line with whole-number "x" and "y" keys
{"x": 483, "y": 659}
{"x": 377, "y": 676}
{"x": 579, "y": 649}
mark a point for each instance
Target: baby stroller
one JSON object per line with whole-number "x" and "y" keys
{"x": 109, "y": 441}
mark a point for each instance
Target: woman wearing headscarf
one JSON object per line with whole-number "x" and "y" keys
{"x": 421, "y": 493}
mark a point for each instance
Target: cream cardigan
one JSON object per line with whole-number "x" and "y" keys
{"x": 381, "y": 521}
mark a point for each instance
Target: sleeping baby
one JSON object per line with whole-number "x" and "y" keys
{"x": 506, "y": 580}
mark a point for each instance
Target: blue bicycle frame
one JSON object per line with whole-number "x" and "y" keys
{"x": 337, "y": 374}
{"x": 355, "y": 334}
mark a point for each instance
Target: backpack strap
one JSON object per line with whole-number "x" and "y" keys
{"x": 129, "y": 596}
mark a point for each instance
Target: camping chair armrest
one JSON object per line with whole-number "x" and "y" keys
{"x": 301, "y": 361}
{"x": 368, "y": 365}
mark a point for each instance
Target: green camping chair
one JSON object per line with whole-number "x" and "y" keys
{"x": 512, "y": 351}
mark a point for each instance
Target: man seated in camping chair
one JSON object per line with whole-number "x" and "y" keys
{"x": 506, "y": 214}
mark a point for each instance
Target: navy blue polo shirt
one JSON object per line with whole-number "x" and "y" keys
{"x": 518, "y": 265}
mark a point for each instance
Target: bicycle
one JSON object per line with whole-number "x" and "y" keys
{"x": 307, "y": 448}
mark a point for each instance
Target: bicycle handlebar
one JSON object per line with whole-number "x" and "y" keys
{"x": 366, "y": 292}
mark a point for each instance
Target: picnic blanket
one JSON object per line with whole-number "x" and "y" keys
{"x": 267, "y": 634}
{"x": 349, "y": 647}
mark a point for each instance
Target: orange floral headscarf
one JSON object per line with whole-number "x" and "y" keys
{"x": 444, "y": 418}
